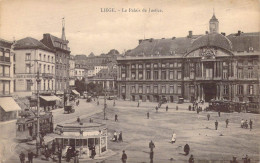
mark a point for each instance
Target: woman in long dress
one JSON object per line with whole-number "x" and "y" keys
{"x": 173, "y": 138}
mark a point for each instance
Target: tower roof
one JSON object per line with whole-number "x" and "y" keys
{"x": 213, "y": 18}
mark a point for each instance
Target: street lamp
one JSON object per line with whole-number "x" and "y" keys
{"x": 105, "y": 104}
{"x": 38, "y": 80}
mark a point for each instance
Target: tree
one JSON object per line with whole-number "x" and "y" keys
{"x": 95, "y": 88}
{"x": 80, "y": 85}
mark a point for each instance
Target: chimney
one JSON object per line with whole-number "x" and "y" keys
{"x": 190, "y": 34}
{"x": 206, "y": 32}
{"x": 239, "y": 33}
{"x": 224, "y": 34}
{"x": 140, "y": 41}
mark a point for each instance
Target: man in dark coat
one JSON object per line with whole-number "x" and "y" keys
{"x": 187, "y": 149}
{"x": 22, "y": 157}
{"x": 78, "y": 120}
{"x": 219, "y": 113}
{"x": 30, "y": 157}
{"x": 59, "y": 155}
{"x": 116, "y": 116}
{"x": 151, "y": 145}
{"x": 189, "y": 108}
{"x": 167, "y": 108}
{"x": 120, "y": 137}
{"x": 147, "y": 115}
{"x": 93, "y": 152}
{"x": 151, "y": 157}
{"x": 216, "y": 125}
{"x": 191, "y": 159}
{"x": 124, "y": 157}
{"x": 251, "y": 124}
{"x": 208, "y": 116}
{"x": 156, "y": 108}
{"x": 227, "y": 121}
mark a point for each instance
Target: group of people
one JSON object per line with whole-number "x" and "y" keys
{"x": 119, "y": 138}
{"x": 244, "y": 124}
{"x": 30, "y": 157}
{"x": 246, "y": 159}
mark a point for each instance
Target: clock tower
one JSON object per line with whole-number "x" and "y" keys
{"x": 213, "y": 24}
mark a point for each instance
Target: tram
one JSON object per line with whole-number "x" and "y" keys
{"x": 26, "y": 128}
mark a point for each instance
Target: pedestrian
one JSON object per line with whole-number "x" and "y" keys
{"x": 227, "y": 121}
{"x": 116, "y": 118}
{"x": 193, "y": 108}
{"x": 22, "y": 157}
{"x": 76, "y": 158}
{"x": 187, "y": 149}
{"x": 251, "y": 124}
{"x": 208, "y": 116}
{"x": 216, "y": 125}
{"x": 124, "y": 157}
{"x": 191, "y": 159}
{"x": 246, "y": 159}
{"x": 115, "y": 136}
{"x": 234, "y": 160}
{"x": 177, "y": 108}
{"x": 147, "y": 115}
{"x": 120, "y": 137}
{"x": 93, "y": 152}
{"x": 156, "y": 108}
{"x": 189, "y": 108}
{"x": 242, "y": 123}
{"x": 167, "y": 108}
{"x": 151, "y": 157}
{"x": 173, "y": 138}
{"x": 78, "y": 102}
{"x": 198, "y": 111}
{"x": 30, "y": 157}
{"x": 219, "y": 113}
{"x": 97, "y": 102}
{"x": 59, "y": 155}
{"x": 138, "y": 104}
{"x": 78, "y": 120}
{"x": 151, "y": 146}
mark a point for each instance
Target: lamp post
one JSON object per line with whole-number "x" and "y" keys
{"x": 105, "y": 104}
{"x": 38, "y": 80}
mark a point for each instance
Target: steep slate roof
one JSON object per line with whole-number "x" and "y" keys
{"x": 243, "y": 41}
{"x": 173, "y": 46}
{"x": 212, "y": 39}
{"x": 30, "y": 43}
{"x": 213, "y": 18}
{"x": 50, "y": 41}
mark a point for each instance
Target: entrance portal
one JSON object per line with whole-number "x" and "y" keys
{"x": 210, "y": 91}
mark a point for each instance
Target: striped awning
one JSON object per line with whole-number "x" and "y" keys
{"x": 75, "y": 92}
{"x": 50, "y": 98}
{"x": 8, "y": 104}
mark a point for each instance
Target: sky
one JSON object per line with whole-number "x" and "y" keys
{"x": 90, "y": 30}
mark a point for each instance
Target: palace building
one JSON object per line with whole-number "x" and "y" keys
{"x": 195, "y": 67}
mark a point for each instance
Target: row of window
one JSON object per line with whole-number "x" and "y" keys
{"x": 47, "y": 85}
{"x": 4, "y": 56}
{"x": 154, "y": 90}
{"x": 4, "y": 87}
{"x": 4, "y": 71}
{"x": 46, "y": 58}
{"x": 155, "y": 65}
{"x": 42, "y": 68}
{"x": 250, "y": 89}
{"x": 172, "y": 75}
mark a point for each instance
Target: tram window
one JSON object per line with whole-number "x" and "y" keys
{"x": 96, "y": 140}
{"x": 85, "y": 142}
{"x": 78, "y": 142}
{"x": 66, "y": 142}
{"x": 90, "y": 142}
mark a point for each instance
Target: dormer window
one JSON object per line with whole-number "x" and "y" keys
{"x": 251, "y": 49}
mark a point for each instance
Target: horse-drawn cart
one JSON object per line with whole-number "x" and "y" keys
{"x": 69, "y": 109}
